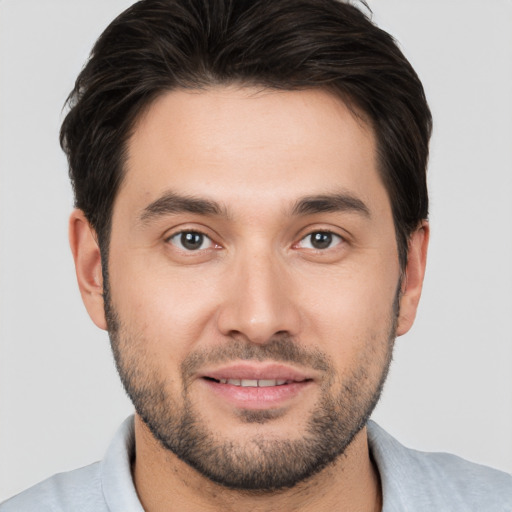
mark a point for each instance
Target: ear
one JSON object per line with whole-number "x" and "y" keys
{"x": 86, "y": 253}
{"x": 413, "y": 278}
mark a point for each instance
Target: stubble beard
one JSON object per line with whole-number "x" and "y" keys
{"x": 256, "y": 464}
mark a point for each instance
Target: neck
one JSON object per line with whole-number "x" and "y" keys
{"x": 165, "y": 483}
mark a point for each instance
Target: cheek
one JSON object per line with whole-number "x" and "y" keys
{"x": 170, "y": 309}
{"x": 351, "y": 294}
{"x": 349, "y": 308}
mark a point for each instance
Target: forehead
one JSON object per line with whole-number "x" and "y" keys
{"x": 231, "y": 143}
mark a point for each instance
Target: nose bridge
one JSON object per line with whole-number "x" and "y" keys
{"x": 259, "y": 304}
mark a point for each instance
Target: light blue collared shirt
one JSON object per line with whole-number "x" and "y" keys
{"x": 411, "y": 481}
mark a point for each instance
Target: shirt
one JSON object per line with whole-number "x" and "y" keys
{"x": 411, "y": 481}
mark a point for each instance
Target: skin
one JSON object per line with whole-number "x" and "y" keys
{"x": 256, "y": 154}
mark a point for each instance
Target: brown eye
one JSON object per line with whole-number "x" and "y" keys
{"x": 320, "y": 240}
{"x": 191, "y": 241}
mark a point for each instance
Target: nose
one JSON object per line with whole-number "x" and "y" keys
{"x": 260, "y": 302}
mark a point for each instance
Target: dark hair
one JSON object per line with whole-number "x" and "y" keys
{"x": 159, "y": 45}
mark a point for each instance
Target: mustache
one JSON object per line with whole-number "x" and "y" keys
{"x": 280, "y": 349}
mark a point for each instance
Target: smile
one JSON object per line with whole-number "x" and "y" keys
{"x": 255, "y": 383}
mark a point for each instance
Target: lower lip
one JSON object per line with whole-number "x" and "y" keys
{"x": 256, "y": 397}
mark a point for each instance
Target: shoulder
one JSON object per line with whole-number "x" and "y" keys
{"x": 79, "y": 490}
{"x": 100, "y": 487}
{"x": 436, "y": 481}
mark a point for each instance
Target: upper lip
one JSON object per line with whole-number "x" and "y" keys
{"x": 257, "y": 371}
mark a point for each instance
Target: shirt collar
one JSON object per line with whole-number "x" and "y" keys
{"x": 116, "y": 475}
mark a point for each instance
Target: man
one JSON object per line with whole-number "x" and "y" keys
{"x": 251, "y": 229}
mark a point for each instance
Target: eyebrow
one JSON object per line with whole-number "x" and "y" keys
{"x": 342, "y": 202}
{"x": 171, "y": 203}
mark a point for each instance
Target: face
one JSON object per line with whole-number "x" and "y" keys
{"x": 253, "y": 279}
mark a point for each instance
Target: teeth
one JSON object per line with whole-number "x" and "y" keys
{"x": 263, "y": 383}
{"x": 248, "y": 383}
{"x": 253, "y": 383}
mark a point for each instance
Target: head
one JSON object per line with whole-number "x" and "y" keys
{"x": 254, "y": 175}
{"x": 161, "y": 45}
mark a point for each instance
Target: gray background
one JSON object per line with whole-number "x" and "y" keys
{"x": 450, "y": 387}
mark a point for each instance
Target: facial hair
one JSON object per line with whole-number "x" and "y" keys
{"x": 257, "y": 463}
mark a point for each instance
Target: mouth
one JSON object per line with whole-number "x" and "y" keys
{"x": 256, "y": 386}
{"x": 255, "y": 383}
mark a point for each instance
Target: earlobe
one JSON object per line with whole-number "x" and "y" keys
{"x": 87, "y": 256}
{"x": 413, "y": 279}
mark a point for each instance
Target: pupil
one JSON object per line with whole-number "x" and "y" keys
{"x": 192, "y": 241}
{"x": 321, "y": 240}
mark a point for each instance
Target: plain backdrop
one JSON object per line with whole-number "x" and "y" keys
{"x": 450, "y": 387}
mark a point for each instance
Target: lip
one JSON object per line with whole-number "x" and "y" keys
{"x": 257, "y": 398}
{"x": 271, "y": 371}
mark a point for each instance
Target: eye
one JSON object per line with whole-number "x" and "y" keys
{"x": 191, "y": 241}
{"x": 320, "y": 240}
